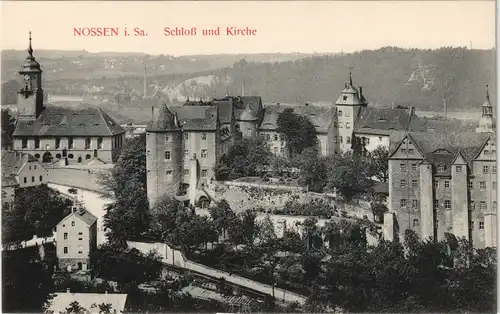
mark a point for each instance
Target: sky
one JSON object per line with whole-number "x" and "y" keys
{"x": 306, "y": 27}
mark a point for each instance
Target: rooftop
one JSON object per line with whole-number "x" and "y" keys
{"x": 89, "y": 301}
{"x": 320, "y": 117}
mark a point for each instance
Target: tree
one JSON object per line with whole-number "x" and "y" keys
{"x": 24, "y": 274}
{"x": 349, "y": 174}
{"x": 379, "y": 163}
{"x": 298, "y": 130}
{"x": 36, "y": 211}
{"x": 222, "y": 217}
{"x": 247, "y": 158}
{"x": 8, "y": 127}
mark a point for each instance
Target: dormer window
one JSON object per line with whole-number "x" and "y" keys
{"x": 441, "y": 168}
{"x": 344, "y": 98}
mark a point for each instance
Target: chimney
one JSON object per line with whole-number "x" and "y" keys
{"x": 68, "y": 290}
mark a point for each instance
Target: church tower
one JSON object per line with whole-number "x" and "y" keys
{"x": 30, "y": 97}
{"x": 487, "y": 122}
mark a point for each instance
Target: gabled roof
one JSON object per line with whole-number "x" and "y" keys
{"x": 83, "y": 215}
{"x": 196, "y": 118}
{"x": 9, "y": 181}
{"x": 321, "y": 117}
{"x": 350, "y": 95}
{"x": 440, "y": 125}
{"x": 89, "y": 301}
{"x": 13, "y": 162}
{"x": 225, "y": 108}
{"x": 382, "y": 121}
{"x": 59, "y": 121}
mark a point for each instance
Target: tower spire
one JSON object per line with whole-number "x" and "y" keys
{"x": 30, "y": 50}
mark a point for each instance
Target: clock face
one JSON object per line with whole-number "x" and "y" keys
{"x": 26, "y": 78}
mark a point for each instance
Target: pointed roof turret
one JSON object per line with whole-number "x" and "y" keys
{"x": 31, "y": 65}
{"x": 163, "y": 120}
{"x": 350, "y": 95}
{"x": 248, "y": 114}
{"x": 487, "y": 122}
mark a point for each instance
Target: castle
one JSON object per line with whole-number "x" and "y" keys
{"x": 445, "y": 182}
{"x": 56, "y": 134}
{"x": 184, "y": 142}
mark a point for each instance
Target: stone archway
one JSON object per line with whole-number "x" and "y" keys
{"x": 47, "y": 157}
{"x": 203, "y": 202}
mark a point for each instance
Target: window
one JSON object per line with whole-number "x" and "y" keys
{"x": 366, "y": 140}
{"x": 341, "y": 139}
{"x": 29, "y": 167}
{"x": 204, "y": 173}
{"x": 380, "y": 138}
{"x": 58, "y": 143}
{"x": 414, "y": 183}
{"x": 441, "y": 168}
{"x": 71, "y": 143}
{"x": 282, "y": 151}
{"x": 34, "y": 167}
{"x": 481, "y": 225}
{"x": 414, "y": 167}
{"x": 37, "y": 143}
{"x": 73, "y": 223}
{"x": 275, "y": 150}
{"x": 494, "y": 205}
{"x": 459, "y": 168}
{"x": 87, "y": 157}
{"x": 87, "y": 143}
{"x": 335, "y": 125}
{"x": 436, "y": 204}
{"x": 41, "y": 178}
{"x": 65, "y": 250}
{"x": 24, "y": 143}
{"x": 472, "y": 205}
{"x": 275, "y": 137}
{"x": 402, "y": 202}
{"x": 99, "y": 143}
{"x": 447, "y": 204}
{"x": 446, "y": 183}
{"x": 437, "y": 224}
{"x": 347, "y": 114}
{"x": 402, "y": 183}
{"x": 482, "y": 185}
{"x": 340, "y": 111}
{"x": 493, "y": 152}
{"x": 411, "y": 151}
{"x": 472, "y": 225}
{"x": 204, "y": 153}
{"x": 249, "y": 132}
{"x": 186, "y": 153}
{"x": 186, "y": 136}
{"x": 203, "y": 136}
{"x": 482, "y": 205}
{"x": 347, "y": 125}
{"x": 80, "y": 239}
{"x": 415, "y": 223}
{"x": 167, "y": 155}
{"x": 403, "y": 150}
{"x": 494, "y": 169}
{"x": 186, "y": 172}
{"x": 336, "y": 139}
{"x": 344, "y": 97}
{"x": 65, "y": 236}
{"x": 485, "y": 169}
{"x": 80, "y": 233}
{"x": 168, "y": 175}
{"x": 436, "y": 184}
{"x": 348, "y": 140}
{"x": 494, "y": 184}
{"x": 402, "y": 167}
{"x": 471, "y": 185}
{"x": 414, "y": 203}
{"x": 268, "y": 136}
{"x": 486, "y": 152}
{"x": 25, "y": 180}
{"x": 341, "y": 125}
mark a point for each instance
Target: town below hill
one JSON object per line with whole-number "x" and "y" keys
{"x": 426, "y": 79}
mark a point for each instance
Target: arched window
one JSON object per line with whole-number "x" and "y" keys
{"x": 87, "y": 143}
{"x": 99, "y": 143}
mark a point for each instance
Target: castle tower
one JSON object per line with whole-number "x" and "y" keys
{"x": 30, "y": 97}
{"x": 427, "y": 218}
{"x": 348, "y": 105}
{"x": 163, "y": 155}
{"x": 460, "y": 210}
{"x": 248, "y": 122}
{"x": 487, "y": 123}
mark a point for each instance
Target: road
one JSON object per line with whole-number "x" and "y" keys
{"x": 94, "y": 202}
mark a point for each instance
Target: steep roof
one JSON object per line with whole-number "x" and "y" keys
{"x": 441, "y": 148}
{"x": 243, "y": 105}
{"x": 82, "y": 214}
{"x": 59, "y": 121}
{"x": 196, "y": 118}
{"x": 61, "y": 301}
{"x": 163, "y": 120}
{"x": 441, "y": 125}
{"x": 225, "y": 108}
{"x": 12, "y": 162}
{"x": 350, "y": 95}
{"x": 9, "y": 181}
{"x": 320, "y": 117}
{"x": 382, "y": 121}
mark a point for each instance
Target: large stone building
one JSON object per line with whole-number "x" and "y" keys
{"x": 76, "y": 238}
{"x": 185, "y": 142}
{"x": 445, "y": 182}
{"x": 57, "y": 134}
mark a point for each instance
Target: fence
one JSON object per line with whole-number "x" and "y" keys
{"x": 267, "y": 186}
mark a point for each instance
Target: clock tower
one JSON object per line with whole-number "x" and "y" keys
{"x": 30, "y": 97}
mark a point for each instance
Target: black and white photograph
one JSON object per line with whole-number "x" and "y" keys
{"x": 248, "y": 157}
